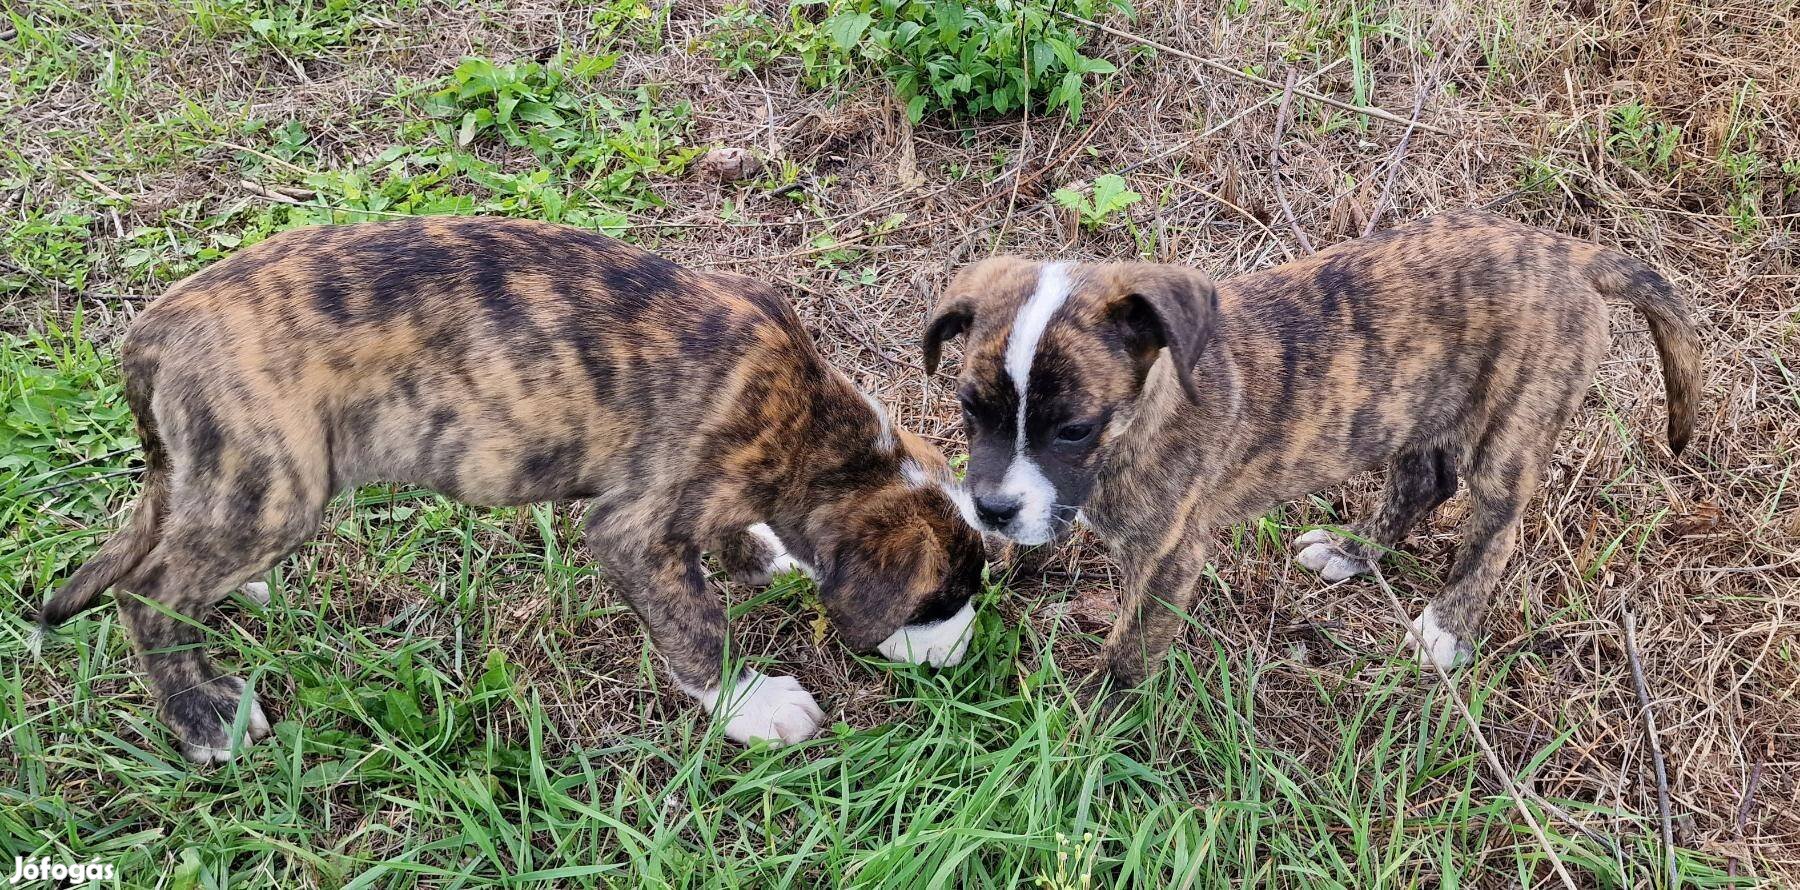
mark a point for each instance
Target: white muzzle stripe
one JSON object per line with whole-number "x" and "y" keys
{"x": 1024, "y": 480}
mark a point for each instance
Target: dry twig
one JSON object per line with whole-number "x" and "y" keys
{"x": 1656, "y": 753}
{"x": 1287, "y": 210}
{"x": 1223, "y": 68}
{"x": 1387, "y": 186}
{"x": 1513, "y": 789}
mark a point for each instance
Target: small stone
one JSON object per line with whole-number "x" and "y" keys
{"x": 730, "y": 164}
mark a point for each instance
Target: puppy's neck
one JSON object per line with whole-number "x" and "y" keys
{"x": 1163, "y": 400}
{"x": 853, "y": 451}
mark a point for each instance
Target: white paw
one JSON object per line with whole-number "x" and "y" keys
{"x": 777, "y": 709}
{"x": 257, "y": 591}
{"x": 941, "y": 644}
{"x": 256, "y": 728}
{"x": 1316, "y": 557}
{"x": 1329, "y": 561}
{"x": 1316, "y": 536}
{"x": 1435, "y": 645}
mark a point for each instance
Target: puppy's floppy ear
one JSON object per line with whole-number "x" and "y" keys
{"x": 949, "y": 320}
{"x": 1167, "y": 307}
{"x": 880, "y": 560}
{"x": 962, "y": 301}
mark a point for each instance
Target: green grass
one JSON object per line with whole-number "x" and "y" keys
{"x": 415, "y": 751}
{"x": 461, "y": 704}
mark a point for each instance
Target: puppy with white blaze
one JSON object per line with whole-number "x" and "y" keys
{"x": 511, "y": 362}
{"x": 1158, "y": 408}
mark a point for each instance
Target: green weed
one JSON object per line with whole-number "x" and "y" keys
{"x": 302, "y": 29}
{"x": 1110, "y": 195}
{"x": 1640, "y": 140}
{"x": 965, "y": 59}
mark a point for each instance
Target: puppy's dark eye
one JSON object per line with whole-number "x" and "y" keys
{"x": 1074, "y": 433}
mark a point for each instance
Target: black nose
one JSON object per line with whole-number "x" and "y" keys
{"x": 996, "y": 512}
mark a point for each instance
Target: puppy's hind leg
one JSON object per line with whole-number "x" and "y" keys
{"x": 667, "y": 589}
{"x": 198, "y": 561}
{"x": 1418, "y": 481}
{"x": 1502, "y": 484}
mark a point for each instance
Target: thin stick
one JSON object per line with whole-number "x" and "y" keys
{"x": 1287, "y": 210}
{"x": 264, "y": 155}
{"x": 1394, "y": 166}
{"x": 58, "y": 471}
{"x": 1493, "y": 759}
{"x": 1188, "y": 143}
{"x": 82, "y": 481}
{"x": 1225, "y": 69}
{"x": 94, "y": 181}
{"x": 1743, "y": 811}
{"x": 263, "y": 191}
{"x": 1656, "y": 753}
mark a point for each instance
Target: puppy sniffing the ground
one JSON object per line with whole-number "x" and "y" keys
{"x": 1453, "y": 347}
{"x": 510, "y": 362}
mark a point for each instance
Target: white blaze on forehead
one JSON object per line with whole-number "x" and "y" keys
{"x": 1024, "y": 481}
{"x": 1028, "y": 327}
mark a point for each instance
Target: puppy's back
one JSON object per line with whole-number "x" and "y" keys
{"x": 1433, "y": 331}
{"x": 479, "y": 356}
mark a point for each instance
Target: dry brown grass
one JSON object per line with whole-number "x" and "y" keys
{"x": 1711, "y": 559}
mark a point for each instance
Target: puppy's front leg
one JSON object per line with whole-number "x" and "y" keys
{"x": 1161, "y": 581}
{"x": 667, "y": 589}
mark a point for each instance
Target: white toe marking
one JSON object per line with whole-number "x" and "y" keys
{"x": 776, "y": 709}
{"x": 1025, "y": 480}
{"x": 257, "y": 591}
{"x": 255, "y": 728}
{"x": 1433, "y": 643}
{"x": 939, "y": 644}
{"x": 783, "y": 561}
{"x": 1341, "y": 567}
{"x": 1316, "y": 556}
{"x": 1321, "y": 553}
{"x": 204, "y": 753}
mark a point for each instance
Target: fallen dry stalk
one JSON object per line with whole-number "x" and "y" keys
{"x": 1387, "y": 186}
{"x": 1287, "y": 209}
{"x": 1513, "y": 789}
{"x": 1656, "y": 753}
{"x": 1223, "y": 68}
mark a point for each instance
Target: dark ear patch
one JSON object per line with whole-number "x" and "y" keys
{"x": 1167, "y": 307}
{"x": 996, "y": 278}
{"x": 947, "y": 323}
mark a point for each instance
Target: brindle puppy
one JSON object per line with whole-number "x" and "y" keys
{"x": 1455, "y": 346}
{"x": 508, "y": 362}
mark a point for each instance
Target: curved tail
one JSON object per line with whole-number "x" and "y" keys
{"x": 1671, "y": 326}
{"x": 127, "y": 547}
